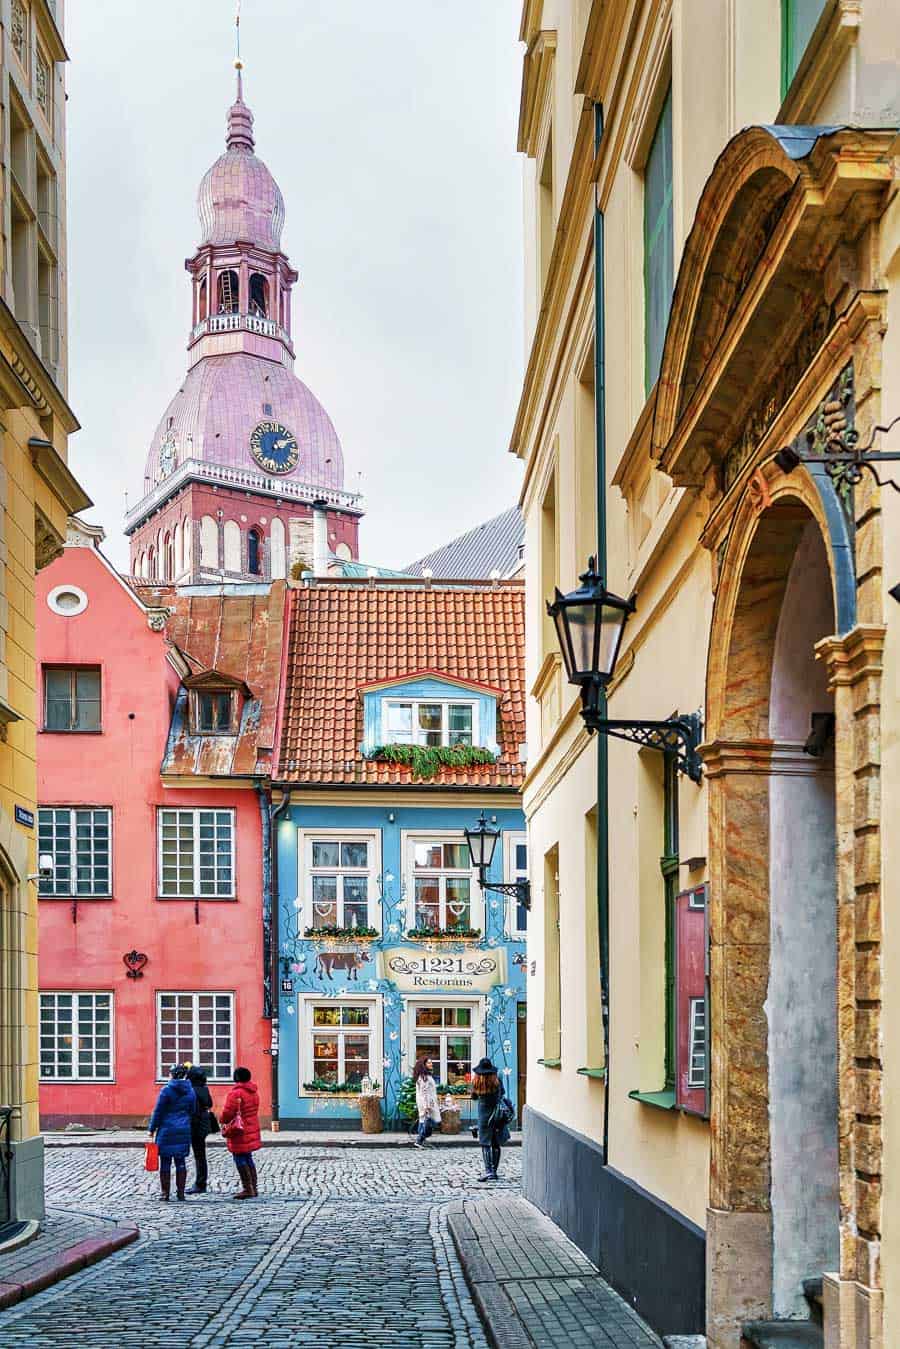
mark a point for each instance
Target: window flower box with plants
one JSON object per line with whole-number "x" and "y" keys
{"x": 444, "y": 934}
{"x": 426, "y": 761}
{"x": 319, "y": 1087}
{"x": 342, "y": 934}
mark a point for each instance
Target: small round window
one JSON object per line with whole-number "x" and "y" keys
{"x": 67, "y": 600}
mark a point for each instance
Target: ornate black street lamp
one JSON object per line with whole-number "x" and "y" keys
{"x": 482, "y": 841}
{"x": 590, "y": 623}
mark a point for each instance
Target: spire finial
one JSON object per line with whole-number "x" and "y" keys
{"x": 240, "y": 118}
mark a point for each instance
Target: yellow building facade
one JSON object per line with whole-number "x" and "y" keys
{"x": 711, "y": 272}
{"x": 37, "y": 494}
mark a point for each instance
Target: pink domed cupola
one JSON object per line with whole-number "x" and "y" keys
{"x": 238, "y": 197}
{"x": 244, "y": 451}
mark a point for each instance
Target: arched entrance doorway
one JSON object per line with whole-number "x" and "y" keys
{"x": 775, "y": 1165}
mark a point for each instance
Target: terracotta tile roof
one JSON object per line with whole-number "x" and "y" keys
{"x": 239, "y": 635}
{"x": 346, "y": 634}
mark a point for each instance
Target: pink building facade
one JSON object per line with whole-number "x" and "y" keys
{"x": 151, "y": 923}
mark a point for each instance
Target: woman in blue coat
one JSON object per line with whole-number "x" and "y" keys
{"x": 170, "y": 1123}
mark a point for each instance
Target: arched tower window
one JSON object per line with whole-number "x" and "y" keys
{"x": 228, "y": 292}
{"x": 253, "y": 559}
{"x": 203, "y": 301}
{"x": 259, "y": 295}
{"x": 151, "y": 564}
{"x": 169, "y": 550}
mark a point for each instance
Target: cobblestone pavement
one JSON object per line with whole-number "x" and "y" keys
{"x": 342, "y": 1249}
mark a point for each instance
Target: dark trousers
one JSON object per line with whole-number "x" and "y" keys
{"x": 198, "y": 1147}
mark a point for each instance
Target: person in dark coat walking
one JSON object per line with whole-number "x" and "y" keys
{"x": 170, "y": 1123}
{"x": 242, "y": 1103}
{"x": 488, "y": 1092}
{"x": 202, "y": 1125}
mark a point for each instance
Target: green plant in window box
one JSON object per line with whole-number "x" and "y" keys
{"x": 443, "y": 934}
{"x": 456, "y": 1089}
{"x": 426, "y": 761}
{"x": 337, "y": 1088}
{"x": 341, "y": 933}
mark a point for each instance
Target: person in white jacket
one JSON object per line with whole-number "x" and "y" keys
{"x": 426, "y": 1101}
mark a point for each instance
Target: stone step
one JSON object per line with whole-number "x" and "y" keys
{"x": 781, "y": 1335}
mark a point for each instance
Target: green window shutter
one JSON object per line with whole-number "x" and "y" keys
{"x": 798, "y": 21}
{"x": 659, "y": 268}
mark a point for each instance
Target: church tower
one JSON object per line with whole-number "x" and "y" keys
{"x": 245, "y": 476}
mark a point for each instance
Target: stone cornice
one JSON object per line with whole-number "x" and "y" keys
{"x": 25, "y": 380}
{"x": 537, "y": 80}
{"x": 855, "y": 656}
{"x": 54, "y": 470}
{"x": 771, "y": 758}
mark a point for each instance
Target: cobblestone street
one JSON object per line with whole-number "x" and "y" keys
{"x": 341, "y": 1249}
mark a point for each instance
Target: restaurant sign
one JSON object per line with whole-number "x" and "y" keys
{"x": 413, "y": 968}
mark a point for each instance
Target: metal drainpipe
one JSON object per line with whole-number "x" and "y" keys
{"x": 602, "y": 740}
{"x": 271, "y": 920}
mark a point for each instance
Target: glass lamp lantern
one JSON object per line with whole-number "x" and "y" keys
{"x": 482, "y": 841}
{"x": 590, "y": 623}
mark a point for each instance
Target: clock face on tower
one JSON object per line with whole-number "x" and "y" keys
{"x": 274, "y": 447}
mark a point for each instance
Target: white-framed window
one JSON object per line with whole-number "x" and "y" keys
{"x": 448, "y": 1031}
{"x": 515, "y": 868}
{"x": 79, "y": 839}
{"x": 429, "y": 721}
{"x": 697, "y": 1046}
{"x": 76, "y": 1037}
{"x": 195, "y": 1028}
{"x": 441, "y": 884}
{"x": 338, "y": 878}
{"x": 196, "y": 853}
{"x": 340, "y": 1042}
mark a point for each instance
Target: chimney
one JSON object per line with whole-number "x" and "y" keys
{"x": 320, "y": 539}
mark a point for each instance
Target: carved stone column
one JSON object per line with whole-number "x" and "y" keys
{"x": 854, "y": 663}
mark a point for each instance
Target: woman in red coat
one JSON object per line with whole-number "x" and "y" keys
{"x": 240, "y": 1125}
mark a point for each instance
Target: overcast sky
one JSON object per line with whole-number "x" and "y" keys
{"x": 391, "y": 131}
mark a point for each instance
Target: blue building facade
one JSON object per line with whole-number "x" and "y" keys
{"x": 402, "y": 720}
{"x": 369, "y": 1006}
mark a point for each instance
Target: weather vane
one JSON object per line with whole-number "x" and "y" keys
{"x": 237, "y": 37}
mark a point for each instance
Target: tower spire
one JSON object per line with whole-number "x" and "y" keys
{"x": 240, "y": 118}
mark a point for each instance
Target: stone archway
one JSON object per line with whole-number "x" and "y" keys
{"x": 774, "y": 1181}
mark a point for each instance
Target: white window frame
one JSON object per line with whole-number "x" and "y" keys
{"x": 196, "y": 812}
{"x": 307, "y": 916}
{"x": 697, "y": 1075}
{"x": 72, "y": 891}
{"x": 408, "y": 1027}
{"x": 163, "y": 1066}
{"x": 511, "y": 840}
{"x": 305, "y": 1004}
{"x": 80, "y": 993}
{"x": 418, "y": 735}
{"x": 408, "y": 840}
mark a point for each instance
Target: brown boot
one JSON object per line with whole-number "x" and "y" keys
{"x": 165, "y": 1181}
{"x": 180, "y": 1181}
{"x": 247, "y": 1191}
{"x": 253, "y": 1179}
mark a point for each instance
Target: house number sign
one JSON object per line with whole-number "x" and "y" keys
{"x": 411, "y": 968}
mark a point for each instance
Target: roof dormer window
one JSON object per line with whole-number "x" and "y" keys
{"x": 431, "y": 722}
{"x": 214, "y": 712}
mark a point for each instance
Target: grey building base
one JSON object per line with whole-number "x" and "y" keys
{"x": 652, "y": 1255}
{"x": 27, "y": 1180}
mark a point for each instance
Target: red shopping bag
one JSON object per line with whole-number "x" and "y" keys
{"x": 151, "y": 1157}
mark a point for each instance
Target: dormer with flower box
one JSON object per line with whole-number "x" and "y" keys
{"x": 430, "y": 720}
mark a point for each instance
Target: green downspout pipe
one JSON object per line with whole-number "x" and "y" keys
{"x": 602, "y": 740}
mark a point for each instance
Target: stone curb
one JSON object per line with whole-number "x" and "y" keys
{"x": 43, "y": 1273}
{"x": 499, "y": 1319}
{"x": 401, "y": 1143}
